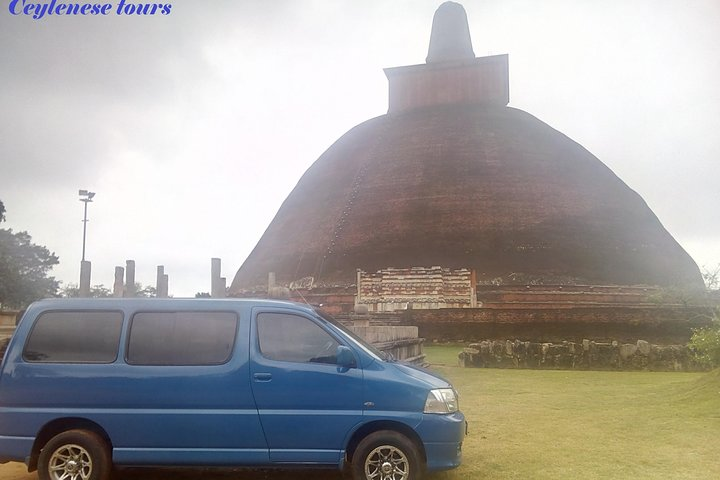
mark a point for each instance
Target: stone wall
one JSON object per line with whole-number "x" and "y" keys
{"x": 587, "y": 355}
{"x": 556, "y": 296}
{"x": 661, "y": 325}
{"x": 8, "y": 319}
{"x": 402, "y": 342}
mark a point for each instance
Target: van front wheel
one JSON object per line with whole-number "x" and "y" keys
{"x": 75, "y": 455}
{"x": 386, "y": 455}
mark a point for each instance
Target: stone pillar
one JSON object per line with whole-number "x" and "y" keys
{"x": 358, "y": 276}
{"x": 85, "y": 268}
{"x": 473, "y": 289}
{"x": 217, "y": 283}
{"x": 159, "y": 280}
{"x": 130, "y": 278}
{"x": 118, "y": 286}
{"x": 275, "y": 291}
{"x": 162, "y": 282}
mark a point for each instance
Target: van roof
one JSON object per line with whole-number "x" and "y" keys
{"x": 163, "y": 303}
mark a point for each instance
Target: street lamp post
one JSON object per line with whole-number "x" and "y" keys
{"x": 85, "y": 197}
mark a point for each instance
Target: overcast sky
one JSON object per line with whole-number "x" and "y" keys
{"x": 193, "y": 127}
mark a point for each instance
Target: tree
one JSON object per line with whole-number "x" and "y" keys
{"x": 705, "y": 342}
{"x": 72, "y": 290}
{"x": 24, "y": 269}
{"x": 712, "y": 277}
{"x": 145, "y": 292}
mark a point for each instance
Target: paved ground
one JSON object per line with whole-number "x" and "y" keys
{"x": 17, "y": 471}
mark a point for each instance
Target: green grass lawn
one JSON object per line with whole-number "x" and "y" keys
{"x": 535, "y": 424}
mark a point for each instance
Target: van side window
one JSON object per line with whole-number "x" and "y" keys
{"x": 181, "y": 338}
{"x": 74, "y": 337}
{"x": 291, "y": 338}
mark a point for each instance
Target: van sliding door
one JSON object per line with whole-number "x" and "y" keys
{"x": 188, "y": 398}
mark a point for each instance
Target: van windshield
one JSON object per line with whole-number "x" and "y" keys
{"x": 358, "y": 340}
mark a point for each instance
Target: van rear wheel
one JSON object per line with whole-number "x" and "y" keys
{"x": 75, "y": 455}
{"x": 386, "y": 455}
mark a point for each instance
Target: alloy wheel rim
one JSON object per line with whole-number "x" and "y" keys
{"x": 387, "y": 462}
{"x": 70, "y": 462}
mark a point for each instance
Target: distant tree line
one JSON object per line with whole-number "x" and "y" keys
{"x": 72, "y": 290}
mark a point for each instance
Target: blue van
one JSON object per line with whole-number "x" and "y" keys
{"x": 87, "y": 384}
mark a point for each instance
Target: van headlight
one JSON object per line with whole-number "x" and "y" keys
{"x": 441, "y": 400}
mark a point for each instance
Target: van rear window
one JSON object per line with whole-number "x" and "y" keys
{"x": 74, "y": 337}
{"x": 181, "y": 338}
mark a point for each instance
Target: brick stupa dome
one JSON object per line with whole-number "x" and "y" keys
{"x": 451, "y": 176}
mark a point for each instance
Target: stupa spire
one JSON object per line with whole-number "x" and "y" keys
{"x": 452, "y": 74}
{"x": 450, "y": 36}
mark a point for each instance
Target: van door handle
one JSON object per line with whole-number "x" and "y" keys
{"x": 262, "y": 377}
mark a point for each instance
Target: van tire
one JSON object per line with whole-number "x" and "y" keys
{"x": 73, "y": 451}
{"x": 389, "y": 450}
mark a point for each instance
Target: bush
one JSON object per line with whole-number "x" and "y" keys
{"x": 705, "y": 342}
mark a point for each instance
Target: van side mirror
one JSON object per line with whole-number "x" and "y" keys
{"x": 345, "y": 357}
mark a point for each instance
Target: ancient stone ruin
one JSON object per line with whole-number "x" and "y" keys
{"x": 587, "y": 355}
{"x": 394, "y": 289}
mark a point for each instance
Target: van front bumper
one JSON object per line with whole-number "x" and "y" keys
{"x": 442, "y": 436}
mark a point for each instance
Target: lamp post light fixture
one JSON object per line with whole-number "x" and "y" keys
{"x": 85, "y": 197}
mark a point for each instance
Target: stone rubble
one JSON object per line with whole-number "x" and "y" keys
{"x": 588, "y": 355}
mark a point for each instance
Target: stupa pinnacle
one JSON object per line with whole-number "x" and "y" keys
{"x": 450, "y": 36}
